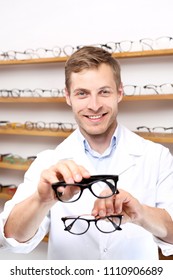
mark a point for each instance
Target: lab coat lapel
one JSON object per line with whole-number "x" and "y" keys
{"x": 129, "y": 149}
{"x": 121, "y": 162}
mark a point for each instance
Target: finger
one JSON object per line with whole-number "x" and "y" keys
{"x": 70, "y": 171}
{"x": 99, "y": 208}
{"x": 118, "y": 202}
{"x": 109, "y": 204}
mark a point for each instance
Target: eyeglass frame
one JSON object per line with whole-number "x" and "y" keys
{"x": 155, "y": 87}
{"x": 150, "y": 130}
{"x": 95, "y": 220}
{"x": 152, "y": 42}
{"x": 11, "y": 186}
{"x": 86, "y": 183}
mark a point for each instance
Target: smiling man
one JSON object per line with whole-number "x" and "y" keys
{"x": 100, "y": 146}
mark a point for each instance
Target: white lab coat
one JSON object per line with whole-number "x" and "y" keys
{"x": 145, "y": 170}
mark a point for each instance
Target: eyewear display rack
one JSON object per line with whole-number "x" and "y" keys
{"x": 156, "y": 137}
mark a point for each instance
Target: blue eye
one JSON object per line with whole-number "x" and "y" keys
{"x": 105, "y": 92}
{"x": 81, "y": 94}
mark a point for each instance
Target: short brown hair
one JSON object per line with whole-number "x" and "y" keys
{"x": 90, "y": 57}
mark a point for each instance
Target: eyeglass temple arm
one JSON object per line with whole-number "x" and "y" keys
{"x": 69, "y": 227}
{"x": 114, "y": 224}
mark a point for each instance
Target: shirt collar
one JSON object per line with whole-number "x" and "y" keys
{"x": 108, "y": 151}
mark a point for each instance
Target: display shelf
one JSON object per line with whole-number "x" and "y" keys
{"x": 157, "y": 137}
{"x": 32, "y": 99}
{"x": 140, "y": 54}
{"x": 5, "y": 196}
{"x": 45, "y": 239}
{"x": 34, "y": 61}
{"x": 15, "y": 166}
{"x": 6, "y": 193}
{"x": 143, "y": 97}
{"x": 34, "y": 132}
{"x": 63, "y": 100}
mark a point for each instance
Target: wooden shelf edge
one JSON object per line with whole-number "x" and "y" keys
{"x": 32, "y": 100}
{"x": 5, "y": 196}
{"x": 143, "y": 97}
{"x": 46, "y": 238}
{"x": 46, "y": 132}
{"x": 34, "y": 61}
{"x": 157, "y": 137}
{"x": 22, "y": 167}
{"x": 147, "y": 53}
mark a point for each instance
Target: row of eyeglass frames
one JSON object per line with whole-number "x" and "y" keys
{"x": 129, "y": 90}
{"x": 69, "y": 127}
{"x": 156, "y": 129}
{"x": 163, "y": 42}
{"x": 40, "y": 125}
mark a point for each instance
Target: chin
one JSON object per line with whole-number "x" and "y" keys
{"x": 95, "y": 131}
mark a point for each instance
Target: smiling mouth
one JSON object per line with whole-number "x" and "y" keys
{"x": 95, "y": 117}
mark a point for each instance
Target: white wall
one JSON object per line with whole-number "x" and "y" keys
{"x": 48, "y": 23}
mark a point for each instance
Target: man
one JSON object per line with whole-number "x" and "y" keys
{"x": 99, "y": 146}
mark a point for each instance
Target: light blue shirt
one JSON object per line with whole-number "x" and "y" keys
{"x": 100, "y": 161}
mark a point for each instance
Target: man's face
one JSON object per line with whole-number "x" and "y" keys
{"x": 94, "y": 100}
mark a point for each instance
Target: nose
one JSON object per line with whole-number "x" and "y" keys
{"x": 94, "y": 103}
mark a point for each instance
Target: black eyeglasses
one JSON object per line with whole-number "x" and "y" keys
{"x": 80, "y": 224}
{"x": 96, "y": 184}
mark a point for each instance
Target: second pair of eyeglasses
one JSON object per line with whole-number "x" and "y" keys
{"x": 101, "y": 186}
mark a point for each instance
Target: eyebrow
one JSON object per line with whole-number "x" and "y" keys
{"x": 87, "y": 90}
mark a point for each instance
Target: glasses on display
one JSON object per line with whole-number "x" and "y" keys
{"x": 2, "y": 156}
{"x": 122, "y": 46}
{"x": 12, "y": 55}
{"x": 30, "y": 54}
{"x": 157, "y": 129}
{"x": 166, "y": 88}
{"x": 13, "y": 125}
{"x": 16, "y": 159}
{"x": 38, "y": 92}
{"x": 11, "y": 187}
{"x": 80, "y": 224}
{"x": 43, "y": 53}
{"x": 4, "y": 124}
{"x": 54, "y": 92}
{"x": 53, "y": 126}
{"x": 96, "y": 184}
{"x": 130, "y": 90}
{"x": 163, "y": 42}
{"x": 10, "y": 93}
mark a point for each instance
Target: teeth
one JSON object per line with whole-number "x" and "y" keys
{"x": 95, "y": 117}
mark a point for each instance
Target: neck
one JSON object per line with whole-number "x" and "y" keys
{"x": 99, "y": 143}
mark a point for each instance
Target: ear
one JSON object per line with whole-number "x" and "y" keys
{"x": 67, "y": 97}
{"x": 120, "y": 93}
